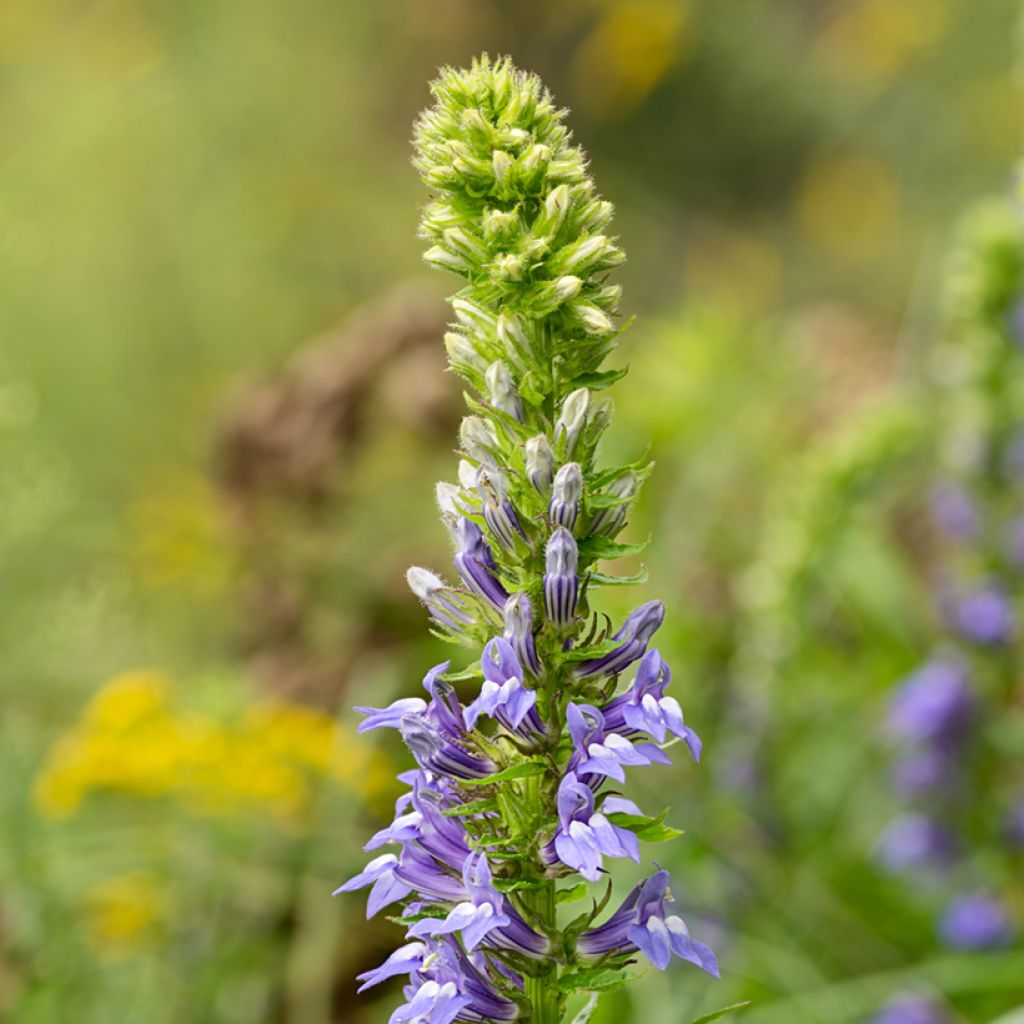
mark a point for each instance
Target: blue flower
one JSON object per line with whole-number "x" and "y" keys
{"x": 911, "y": 1009}
{"x": 933, "y": 704}
{"x": 387, "y": 887}
{"x": 645, "y": 922}
{"x": 634, "y": 635}
{"x": 585, "y": 835}
{"x": 502, "y": 694}
{"x": 605, "y": 753}
{"x": 561, "y": 582}
{"x": 984, "y": 616}
{"x": 645, "y": 708}
{"x": 476, "y": 565}
{"x": 519, "y": 632}
{"x": 915, "y": 841}
{"x": 975, "y": 921}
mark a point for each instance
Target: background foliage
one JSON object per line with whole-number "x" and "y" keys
{"x": 205, "y": 516}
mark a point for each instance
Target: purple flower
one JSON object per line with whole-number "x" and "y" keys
{"x": 954, "y": 512}
{"x": 387, "y": 887}
{"x": 438, "y": 598}
{"x": 564, "y": 507}
{"x": 932, "y": 704}
{"x": 474, "y": 917}
{"x": 407, "y": 959}
{"x": 584, "y": 835}
{"x": 435, "y": 752}
{"x": 984, "y": 616}
{"x": 391, "y": 716}
{"x": 519, "y": 631}
{"x": 476, "y": 564}
{"x": 608, "y": 521}
{"x": 915, "y": 841}
{"x": 923, "y": 771}
{"x": 975, "y": 921}
{"x": 499, "y": 514}
{"x": 911, "y": 1009}
{"x": 634, "y": 635}
{"x": 644, "y": 922}
{"x": 502, "y": 695}
{"x": 600, "y": 753}
{"x": 645, "y": 708}
{"x": 431, "y": 1003}
{"x": 561, "y": 582}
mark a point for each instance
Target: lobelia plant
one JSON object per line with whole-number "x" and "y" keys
{"x": 957, "y": 721}
{"x": 513, "y": 806}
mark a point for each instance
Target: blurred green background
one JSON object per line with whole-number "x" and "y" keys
{"x": 222, "y": 411}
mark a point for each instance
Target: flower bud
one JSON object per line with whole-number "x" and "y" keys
{"x": 540, "y": 463}
{"x": 438, "y": 598}
{"x": 564, "y": 507}
{"x": 503, "y": 393}
{"x": 499, "y": 514}
{"x": 608, "y": 521}
{"x": 561, "y": 581}
{"x": 476, "y": 564}
{"x": 594, "y": 320}
{"x": 477, "y": 439}
{"x": 513, "y": 337}
{"x": 572, "y": 420}
{"x": 469, "y": 314}
{"x": 461, "y": 352}
{"x": 444, "y": 260}
{"x": 519, "y": 631}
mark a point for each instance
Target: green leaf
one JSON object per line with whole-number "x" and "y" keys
{"x": 485, "y": 803}
{"x": 649, "y": 830}
{"x": 602, "y": 547}
{"x": 596, "y": 979}
{"x": 523, "y": 770}
{"x": 602, "y": 579}
{"x": 517, "y": 884}
{"x": 599, "y": 379}
{"x": 719, "y": 1014}
{"x": 575, "y": 892}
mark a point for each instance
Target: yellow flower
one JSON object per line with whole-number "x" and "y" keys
{"x": 124, "y": 913}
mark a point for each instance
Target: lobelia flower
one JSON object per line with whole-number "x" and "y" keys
{"x": 945, "y": 717}
{"x": 510, "y": 794}
{"x": 984, "y": 616}
{"x": 908, "y": 1008}
{"x": 585, "y": 835}
{"x": 564, "y": 508}
{"x": 596, "y": 752}
{"x": 634, "y": 635}
{"x": 644, "y": 923}
{"x": 519, "y": 632}
{"x": 476, "y": 565}
{"x": 645, "y": 708}
{"x": 916, "y": 841}
{"x": 975, "y": 921}
{"x": 561, "y": 580}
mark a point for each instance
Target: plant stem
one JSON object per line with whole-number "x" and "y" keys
{"x": 545, "y": 999}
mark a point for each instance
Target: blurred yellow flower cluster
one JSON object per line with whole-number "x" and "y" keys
{"x": 132, "y": 740}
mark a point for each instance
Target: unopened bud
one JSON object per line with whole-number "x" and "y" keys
{"x": 503, "y": 391}
{"x": 477, "y": 439}
{"x": 564, "y": 507}
{"x": 572, "y": 419}
{"x": 540, "y": 463}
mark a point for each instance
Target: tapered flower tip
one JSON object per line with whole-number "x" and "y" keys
{"x": 568, "y": 484}
{"x": 643, "y": 622}
{"x": 423, "y": 583}
{"x": 562, "y": 555}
